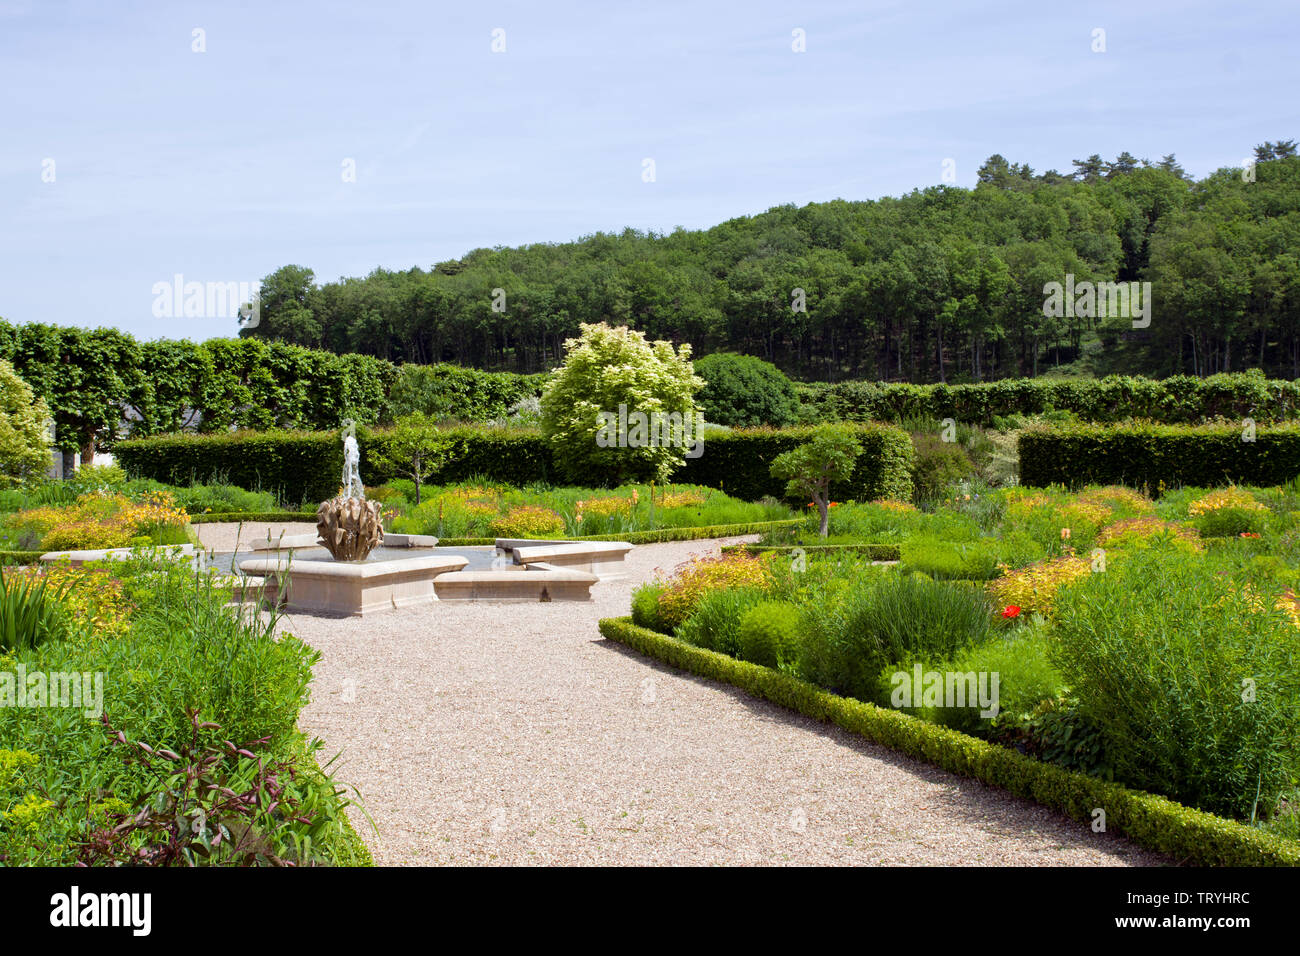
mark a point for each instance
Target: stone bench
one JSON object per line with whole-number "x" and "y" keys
{"x": 534, "y": 583}
{"x": 601, "y": 558}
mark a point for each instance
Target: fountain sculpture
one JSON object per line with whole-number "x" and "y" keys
{"x": 350, "y": 527}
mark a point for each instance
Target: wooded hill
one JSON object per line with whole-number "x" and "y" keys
{"x": 941, "y": 285}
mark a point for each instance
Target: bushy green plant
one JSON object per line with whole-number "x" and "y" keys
{"x": 937, "y": 466}
{"x": 24, "y": 430}
{"x": 715, "y": 622}
{"x": 1026, "y": 678}
{"x": 609, "y": 376}
{"x": 768, "y": 634}
{"x": 1230, "y": 522}
{"x": 943, "y": 560}
{"x": 884, "y": 620}
{"x": 745, "y": 390}
{"x": 645, "y": 607}
{"x": 1191, "y": 676}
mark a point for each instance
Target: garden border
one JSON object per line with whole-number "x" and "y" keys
{"x": 1188, "y": 835}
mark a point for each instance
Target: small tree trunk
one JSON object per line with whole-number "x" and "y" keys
{"x": 824, "y": 508}
{"x": 88, "y": 452}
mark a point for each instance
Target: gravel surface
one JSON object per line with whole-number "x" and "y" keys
{"x": 485, "y": 733}
{"x": 223, "y": 536}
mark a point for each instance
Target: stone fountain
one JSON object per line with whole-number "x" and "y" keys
{"x": 365, "y": 571}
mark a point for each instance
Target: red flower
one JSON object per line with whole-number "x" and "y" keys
{"x": 1249, "y": 534}
{"x": 1012, "y": 610}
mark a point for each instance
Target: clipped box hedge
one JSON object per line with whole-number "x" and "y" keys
{"x": 308, "y": 466}
{"x": 1137, "y": 455}
{"x": 1187, "y": 835}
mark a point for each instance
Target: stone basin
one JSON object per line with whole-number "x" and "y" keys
{"x": 312, "y": 582}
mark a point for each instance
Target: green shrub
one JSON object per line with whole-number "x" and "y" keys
{"x": 1229, "y": 522}
{"x": 1191, "y": 676}
{"x": 937, "y": 465}
{"x": 24, "y": 430}
{"x": 1026, "y": 678}
{"x": 715, "y": 621}
{"x": 964, "y": 560}
{"x": 744, "y": 390}
{"x": 611, "y": 375}
{"x": 768, "y": 634}
{"x": 885, "y": 620}
{"x": 645, "y": 608}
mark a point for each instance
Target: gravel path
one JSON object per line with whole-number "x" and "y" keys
{"x": 513, "y": 733}
{"x": 223, "y": 536}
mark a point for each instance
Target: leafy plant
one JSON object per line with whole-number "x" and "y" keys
{"x": 610, "y": 375}
{"x": 715, "y": 622}
{"x": 886, "y": 620}
{"x": 745, "y": 390}
{"x": 768, "y": 634}
{"x": 207, "y": 802}
{"x": 31, "y": 611}
{"x": 1190, "y": 675}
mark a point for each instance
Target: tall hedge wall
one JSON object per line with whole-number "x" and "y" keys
{"x": 1182, "y": 399}
{"x": 307, "y": 466}
{"x": 298, "y": 466}
{"x": 1205, "y": 455}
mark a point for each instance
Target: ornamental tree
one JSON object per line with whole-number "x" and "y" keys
{"x": 809, "y": 469}
{"x": 414, "y": 448}
{"x": 620, "y": 407}
{"x": 24, "y": 430}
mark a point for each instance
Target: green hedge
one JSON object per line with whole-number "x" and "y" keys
{"x": 1182, "y": 399}
{"x": 1137, "y": 455}
{"x": 297, "y": 466}
{"x": 20, "y": 557}
{"x": 738, "y": 461}
{"x": 307, "y": 466}
{"x": 1189, "y": 836}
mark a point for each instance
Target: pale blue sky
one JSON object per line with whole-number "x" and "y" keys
{"x": 225, "y": 165}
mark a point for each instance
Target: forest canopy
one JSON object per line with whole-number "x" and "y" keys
{"x": 942, "y": 285}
